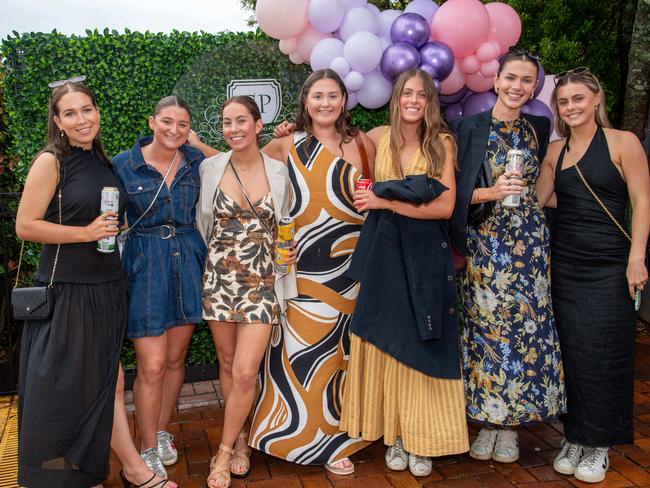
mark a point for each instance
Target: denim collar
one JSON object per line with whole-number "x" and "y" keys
{"x": 136, "y": 159}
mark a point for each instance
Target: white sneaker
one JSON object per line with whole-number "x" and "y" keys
{"x": 483, "y": 447}
{"x": 166, "y": 449}
{"x": 420, "y": 465}
{"x": 506, "y": 448}
{"x": 568, "y": 458}
{"x": 396, "y": 458}
{"x": 593, "y": 465}
{"x": 154, "y": 463}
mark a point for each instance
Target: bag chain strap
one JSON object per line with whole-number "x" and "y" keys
{"x": 56, "y": 256}
{"x": 241, "y": 186}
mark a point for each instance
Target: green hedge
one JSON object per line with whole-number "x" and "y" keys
{"x": 129, "y": 72}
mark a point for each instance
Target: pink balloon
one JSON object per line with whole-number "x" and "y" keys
{"x": 505, "y": 25}
{"x": 287, "y": 46}
{"x": 487, "y": 51}
{"x": 282, "y": 19}
{"x": 490, "y": 68}
{"x": 470, "y": 64}
{"x": 454, "y": 82}
{"x": 461, "y": 24}
{"x": 307, "y": 40}
{"x": 296, "y": 58}
{"x": 479, "y": 83}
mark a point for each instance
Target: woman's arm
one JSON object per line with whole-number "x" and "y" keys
{"x": 635, "y": 170}
{"x": 439, "y": 208}
{"x": 545, "y": 185}
{"x": 371, "y": 151}
{"x": 278, "y": 148}
{"x": 194, "y": 141}
{"x": 40, "y": 187}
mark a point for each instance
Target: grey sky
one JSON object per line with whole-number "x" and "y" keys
{"x": 75, "y": 16}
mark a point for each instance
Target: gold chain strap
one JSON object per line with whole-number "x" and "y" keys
{"x": 602, "y": 204}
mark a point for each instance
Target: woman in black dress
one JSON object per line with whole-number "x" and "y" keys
{"x": 596, "y": 267}
{"x": 69, "y": 412}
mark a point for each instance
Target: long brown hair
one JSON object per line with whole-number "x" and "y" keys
{"x": 431, "y": 131}
{"x": 588, "y": 79}
{"x": 303, "y": 119}
{"x": 57, "y": 140}
{"x": 249, "y": 104}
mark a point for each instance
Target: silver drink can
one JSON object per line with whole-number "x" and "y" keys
{"x": 515, "y": 162}
{"x": 110, "y": 202}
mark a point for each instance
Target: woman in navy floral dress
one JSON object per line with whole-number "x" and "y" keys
{"x": 511, "y": 355}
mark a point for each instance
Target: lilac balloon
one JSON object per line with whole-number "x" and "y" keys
{"x": 454, "y": 97}
{"x": 398, "y": 58}
{"x": 438, "y": 55}
{"x": 426, "y": 8}
{"x": 350, "y": 4}
{"x": 436, "y": 82}
{"x": 373, "y": 8}
{"x": 541, "y": 78}
{"x": 433, "y": 73}
{"x": 376, "y": 90}
{"x": 353, "y": 81}
{"x": 453, "y": 112}
{"x": 324, "y": 53}
{"x": 357, "y": 20}
{"x": 385, "y": 20}
{"x": 352, "y": 101}
{"x": 537, "y": 107}
{"x": 341, "y": 66}
{"x": 411, "y": 28}
{"x": 363, "y": 51}
{"x": 479, "y": 102}
{"x": 325, "y": 15}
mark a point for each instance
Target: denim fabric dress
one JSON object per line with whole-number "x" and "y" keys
{"x": 164, "y": 254}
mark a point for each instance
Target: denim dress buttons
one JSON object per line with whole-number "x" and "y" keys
{"x": 164, "y": 254}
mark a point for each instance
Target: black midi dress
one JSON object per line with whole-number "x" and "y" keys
{"x": 69, "y": 362}
{"x": 594, "y": 313}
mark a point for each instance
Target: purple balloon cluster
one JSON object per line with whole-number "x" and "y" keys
{"x": 410, "y": 34}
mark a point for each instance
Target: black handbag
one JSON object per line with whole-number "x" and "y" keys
{"x": 479, "y": 212}
{"x": 34, "y": 302}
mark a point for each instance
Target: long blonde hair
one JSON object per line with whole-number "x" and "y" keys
{"x": 432, "y": 128}
{"x": 588, "y": 79}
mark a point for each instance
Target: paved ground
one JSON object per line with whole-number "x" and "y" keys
{"x": 196, "y": 426}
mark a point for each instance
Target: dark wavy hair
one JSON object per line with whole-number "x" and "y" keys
{"x": 249, "y": 104}
{"x": 303, "y": 119}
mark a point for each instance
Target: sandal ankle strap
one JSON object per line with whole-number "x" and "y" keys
{"x": 225, "y": 448}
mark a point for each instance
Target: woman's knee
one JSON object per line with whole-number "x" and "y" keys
{"x": 151, "y": 370}
{"x": 244, "y": 377}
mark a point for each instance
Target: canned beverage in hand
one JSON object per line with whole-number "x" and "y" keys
{"x": 110, "y": 202}
{"x": 281, "y": 257}
{"x": 363, "y": 184}
{"x": 286, "y": 229}
{"x": 514, "y": 163}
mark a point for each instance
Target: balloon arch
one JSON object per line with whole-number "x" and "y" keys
{"x": 458, "y": 43}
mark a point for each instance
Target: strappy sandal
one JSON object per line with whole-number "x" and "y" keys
{"x": 160, "y": 484}
{"x": 243, "y": 456}
{"x": 220, "y": 472}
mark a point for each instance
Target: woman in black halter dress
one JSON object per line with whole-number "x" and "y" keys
{"x": 595, "y": 267}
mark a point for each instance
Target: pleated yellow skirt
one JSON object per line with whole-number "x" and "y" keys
{"x": 383, "y": 397}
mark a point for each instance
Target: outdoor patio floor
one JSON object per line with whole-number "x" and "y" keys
{"x": 196, "y": 427}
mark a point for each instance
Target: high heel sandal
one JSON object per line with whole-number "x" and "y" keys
{"x": 243, "y": 456}
{"x": 160, "y": 484}
{"x": 220, "y": 472}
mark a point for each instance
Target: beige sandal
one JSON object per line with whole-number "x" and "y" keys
{"x": 220, "y": 472}
{"x": 243, "y": 456}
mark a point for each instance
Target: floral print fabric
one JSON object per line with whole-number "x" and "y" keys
{"x": 511, "y": 354}
{"x": 239, "y": 277}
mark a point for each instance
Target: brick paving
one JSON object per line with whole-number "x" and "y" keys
{"x": 196, "y": 426}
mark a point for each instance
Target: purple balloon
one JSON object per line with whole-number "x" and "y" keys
{"x": 439, "y": 56}
{"x": 454, "y": 97}
{"x": 540, "y": 80}
{"x": 453, "y": 112}
{"x": 468, "y": 94}
{"x": 433, "y": 73}
{"x": 411, "y": 28}
{"x": 398, "y": 58}
{"x": 436, "y": 82}
{"x": 479, "y": 102}
{"x": 537, "y": 107}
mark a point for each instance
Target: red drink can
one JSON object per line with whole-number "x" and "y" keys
{"x": 363, "y": 184}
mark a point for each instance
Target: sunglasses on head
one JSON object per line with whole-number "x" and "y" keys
{"x": 58, "y": 83}
{"x": 577, "y": 71}
{"x": 522, "y": 52}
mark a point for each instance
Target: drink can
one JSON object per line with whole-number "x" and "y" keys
{"x": 110, "y": 202}
{"x": 363, "y": 184}
{"x": 286, "y": 231}
{"x": 281, "y": 256}
{"x": 514, "y": 162}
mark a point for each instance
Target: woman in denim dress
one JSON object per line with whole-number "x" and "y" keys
{"x": 163, "y": 257}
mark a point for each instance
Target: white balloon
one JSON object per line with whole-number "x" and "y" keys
{"x": 385, "y": 20}
{"x": 353, "y": 81}
{"x": 376, "y": 90}
{"x": 363, "y": 51}
{"x": 357, "y": 20}
{"x": 341, "y": 66}
{"x": 324, "y": 53}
